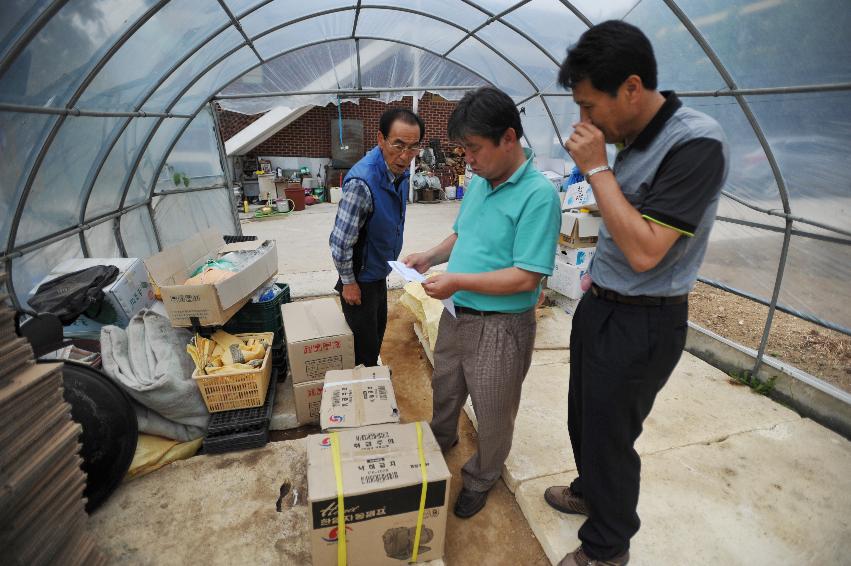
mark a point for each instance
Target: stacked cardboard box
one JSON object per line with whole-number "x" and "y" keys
{"x": 577, "y": 240}
{"x": 42, "y": 515}
{"x": 579, "y": 229}
{"x": 382, "y": 481}
{"x": 211, "y": 304}
{"x": 577, "y": 245}
{"x": 580, "y": 195}
{"x": 580, "y": 225}
{"x": 358, "y": 397}
{"x": 318, "y": 340}
{"x": 378, "y": 466}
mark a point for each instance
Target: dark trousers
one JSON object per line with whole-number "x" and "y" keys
{"x": 368, "y": 320}
{"x": 620, "y": 357}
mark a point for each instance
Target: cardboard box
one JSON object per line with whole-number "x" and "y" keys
{"x": 580, "y": 195}
{"x": 554, "y": 178}
{"x": 382, "y": 484}
{"x": 318, "y": 339}
{"x": 565, "y": 278}
{"x": 358, "y": 397}
{"x": 580, "y": 257}
{"x": 579, "y": 229}
{"x": 308, "y": 399}
{"x": 124, "y": 297}
{"x": 211, "y": 304}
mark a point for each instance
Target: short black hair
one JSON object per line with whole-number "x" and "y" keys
{"x": 607, "y": 54}
{"x": 403, "y": 115}
{"x": 486, "y": 112}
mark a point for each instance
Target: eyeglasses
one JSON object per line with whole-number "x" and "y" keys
{"x": 402, "y": 148}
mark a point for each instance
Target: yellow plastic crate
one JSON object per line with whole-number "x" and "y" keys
{"x": 238, "y": 390}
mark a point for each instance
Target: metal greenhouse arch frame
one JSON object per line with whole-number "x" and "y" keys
{"x": 234, "y": 21}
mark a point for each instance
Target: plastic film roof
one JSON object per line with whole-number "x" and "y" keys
{"x": 104, "y": 103}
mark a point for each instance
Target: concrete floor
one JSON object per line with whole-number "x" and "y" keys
{"x": 728, "y": 477}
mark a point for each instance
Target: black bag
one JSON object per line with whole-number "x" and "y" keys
{"x": 70, "y": 295}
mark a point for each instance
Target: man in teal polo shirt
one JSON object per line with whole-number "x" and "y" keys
{"x": 503, "y": 243}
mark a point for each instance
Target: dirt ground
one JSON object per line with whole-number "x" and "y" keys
{"x": 499, "y": 534}
{"x": 819, "y": 351}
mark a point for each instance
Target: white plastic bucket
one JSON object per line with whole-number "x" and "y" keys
{"x": 336, "y": 194}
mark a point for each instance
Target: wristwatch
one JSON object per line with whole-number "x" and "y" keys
{"x": 596, "y": 170}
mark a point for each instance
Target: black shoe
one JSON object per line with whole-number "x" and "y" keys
{"x": 470, "y": 502}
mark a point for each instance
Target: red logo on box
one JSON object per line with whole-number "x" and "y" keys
{"x": 332, "y": 534}
{"x": 322, "y": 347}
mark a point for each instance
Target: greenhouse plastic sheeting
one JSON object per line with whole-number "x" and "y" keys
{"x": 680, "y": 60}
{"x": 79, "y": 184}
{"x": 319, "y": 67}
{"x": 38, "y": 77}
{"x": 190, "y": 213}
{"x": 175, "y": 28}
{"x": 113, "y": 171}
{"x": 101, "y": 241}
{"x": 332, "y": 26}
{"x": 224, "y": 42}
{"x": 333, "y": 65}
{"x": 383, "y": 62}
{"x": 29, "y": 269}
{"x": 195, "y": 156}
{"x": 137, "y": 232}
{"x": 146, "y": 169}
{"x": 65, "y": 165}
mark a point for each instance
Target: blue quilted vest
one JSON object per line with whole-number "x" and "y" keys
{"x": 380, "y": 239}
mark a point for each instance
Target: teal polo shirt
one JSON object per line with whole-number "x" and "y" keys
{"x": 515, "y": 224}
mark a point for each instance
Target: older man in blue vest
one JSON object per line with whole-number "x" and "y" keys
{"x": 369, "y": 227}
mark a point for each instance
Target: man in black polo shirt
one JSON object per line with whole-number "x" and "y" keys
{"x": 658, "y": 203}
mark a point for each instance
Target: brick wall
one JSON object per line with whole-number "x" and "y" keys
{"x": 310, "y": 135}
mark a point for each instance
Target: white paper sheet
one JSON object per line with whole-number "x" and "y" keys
{"x": 410, "y": 274}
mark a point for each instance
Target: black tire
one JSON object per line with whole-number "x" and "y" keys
{"x": 110, "y": 430}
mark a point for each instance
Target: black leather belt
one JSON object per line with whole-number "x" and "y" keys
{"x": 468, "y": 310}
{"x": 645, "y": 300}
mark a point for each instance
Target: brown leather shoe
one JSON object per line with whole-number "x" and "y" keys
{"x": 561, "y": 498}
{"x": 579, "y": 558}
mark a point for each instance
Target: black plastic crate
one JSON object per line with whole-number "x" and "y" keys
{"x": 241, "y": 441}
{"x": 255, "y": 323}
{"x": 254, "y": 438}
{"x": 279, "y": 351}
{"x": 229, "y": 423}
{"x": 234, "y": 239}
{"x": 285, "y": 292}
{"x": 266, "y": 315}
{"x": 279, "y": 362}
